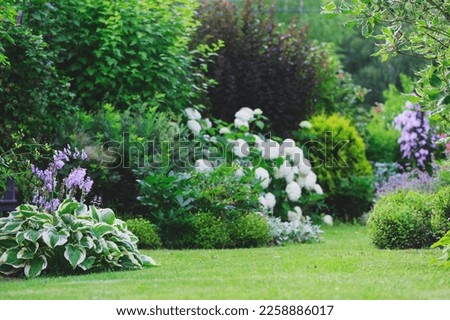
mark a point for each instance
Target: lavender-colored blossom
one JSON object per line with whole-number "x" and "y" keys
{"x": 414, "y": 180}
{"x": 75, "y": 178}
{"x": 416, "y": 140}
{"x": 83, "y": 155}
{"x": 87, "y": 185}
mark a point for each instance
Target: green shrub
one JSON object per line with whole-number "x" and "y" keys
{"x": 34, "y": 98}
{"x": 260, "y": 66}
{"x": 73, "y": 239}
{"x": 210, "y": 232}
{"x": 339, "y": 160}
{"x": 440, "y": 222}
{"x": 403, "y": 220}
{"x": 174, "y": 199}
{"x": 119, "y": 51}
{"x": 145, "y": 231}
{"x": 444, "y": 243}
{"x": 250, "y": 230}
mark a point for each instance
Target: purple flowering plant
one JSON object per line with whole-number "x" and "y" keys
{"x": 52, "y": 188}
{"x": 416, "y": 140}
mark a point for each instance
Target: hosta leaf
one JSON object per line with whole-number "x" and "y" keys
{"x": 42, "y": 218}
{"x": 54, "y": 239}
{"x": 87, "y": 263}
{"x": 94, "y": 213}
{"x": 27, "y": 210}
{"x": 8, "y": 242}
{"x": 100, "y": 229}
{"x": 112, "y": 247}
{"x": 75, "y": 254}
{"x": 20, "y": 237}
{"x": 10, "y": 257}
{"x": 87, "y": 242}
{"x": 34, "y": 267}
{"x": 8, "y": 270}
{"x": 12, "y": 227}
{"x": 32, "y": 235}
{"x": 106, "y": 216}
{"x": 68, "y": 206}
{"x": 25, "y": 254}
{"x": 148, "y": 261}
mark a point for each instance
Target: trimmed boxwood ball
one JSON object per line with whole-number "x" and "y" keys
{"x": 146, "y": 233}
{"x": 411, "y": 219}
{"x": 250, "y": 230}
{"x": 210, "y": 231}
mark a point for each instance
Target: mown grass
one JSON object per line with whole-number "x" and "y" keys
{"x": 344, "y": 266}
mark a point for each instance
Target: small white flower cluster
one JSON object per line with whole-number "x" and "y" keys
{"x": 296, "y": 231}
{"x": 195, "y": 123}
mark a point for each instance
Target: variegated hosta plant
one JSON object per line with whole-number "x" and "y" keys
{"x": 72, "y": 239}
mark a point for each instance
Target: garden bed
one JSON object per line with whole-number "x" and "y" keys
{"x": 344, "y": 266}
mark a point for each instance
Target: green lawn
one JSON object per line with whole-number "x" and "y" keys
{"x": 344, "y": 266}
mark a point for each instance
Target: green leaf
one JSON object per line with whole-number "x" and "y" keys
{"x": 75, "y": 254}
{"x": 32, "y": 235}
{"x": 68, "y": 206}
{"x": 106, "y": 216}
{"x": 10, "y": 257}
{"x": 87, "y": 263}
{"x": 53, "y": 238}
{"x": 25, "y": 254}
{"x": 260, "y": 124}
{"x": 11, "y": 227}
{"x": 35, "y": 267}
{"x": 8, "y": 242}
{"x": 27, "y": 210}
{"x": 100, "y": 229}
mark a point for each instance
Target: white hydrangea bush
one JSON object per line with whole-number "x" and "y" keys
{"x": 283, "y": 172}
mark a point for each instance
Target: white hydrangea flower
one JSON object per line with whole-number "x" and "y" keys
{"x": 306, "y": 124}
{"x": 193, "y": 114}
{"x": 224, "y": 130}
{"x": 208, "y": 123}
{"x": 245, "y": 114}
{"x": 328, "y": 220}
{"x": 293, "y": 191}
{"x": 310, "y": 181}
{"x": 268, "y": 201}
{"x": 203, "y": 166}
{"x": 194, "y": 126}
{"x": 270, "y": 149}
{"x": 318, "y": 189}
{"x": 296, "y": 155}
{"x": 295, "y": 215}
{"x": 285, "y": 171}
{"x": 301, "y": 181}
{"x": 287, "y": 147}
{"x": 304, "y": 167}
{"x": 258, "y": 140}
{"x": 241, "y": 148}
{"x": 257, "y": 112}
{"x": 263, "y": 175}
{"x": 238, "y": 123}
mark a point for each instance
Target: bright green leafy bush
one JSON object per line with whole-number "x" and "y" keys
{"x": 73, "y": 239}
{"x": 119, "y": 51}
{"x": 34, "y": 98}
{"x": 409, "y": 219}
{"x": 250, "y": 230}
{"x": 145, "y": 231}
{"x": 444, "y": 243}
{"x": 210, "y": 231}
{"x": 339, "y": 160}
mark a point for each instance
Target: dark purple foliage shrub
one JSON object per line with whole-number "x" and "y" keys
{"x": 259, "y": 66}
